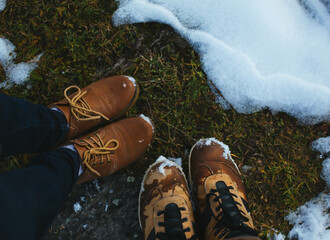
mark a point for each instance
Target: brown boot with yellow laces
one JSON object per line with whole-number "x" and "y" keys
{"x": 96, "y": 104}
{"x": 113, "y": 147}
{"x": 165, "y": 208}
{"x": 220, "y": 192}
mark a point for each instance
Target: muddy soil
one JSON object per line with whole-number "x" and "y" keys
{"x": 102, "y": 209}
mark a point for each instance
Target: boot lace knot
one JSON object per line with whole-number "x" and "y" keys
{"x": 173, "y": 224}
{"x": 80, "y": 109}
{"x": 228, "y": 216}
{"x": 98, "y": 152}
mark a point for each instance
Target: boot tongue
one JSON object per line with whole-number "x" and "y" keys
{"x": 173, "y": 224}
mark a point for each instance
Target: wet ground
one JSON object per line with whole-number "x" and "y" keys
{"x": 102, "y": 209}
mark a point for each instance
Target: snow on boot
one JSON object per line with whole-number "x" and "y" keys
{"x": 219, "y": 191}
{"x": 165, "y": 208}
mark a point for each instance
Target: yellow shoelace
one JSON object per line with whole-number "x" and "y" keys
{"x": 96, "y": 148}
{"x": 80, "y": 108}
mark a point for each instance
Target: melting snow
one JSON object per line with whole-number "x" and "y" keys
{"x": 131, "y": 79}
{"x": 258, "y": 53}
{"x": 166, "y": 163}
{"x": 176, "y": 160}
{"x": 311, "y": 221}
{"x": 2, "y": 5}
{"x": 323, "y": 146}
{"x": 106, "y": 207}
{"x": 16, "y": 73}
{"x": 277, "y": 236}
{"x": 96, "y": 184}
{"x": 77, "y": 207}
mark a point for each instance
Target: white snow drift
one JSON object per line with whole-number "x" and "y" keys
{"x": 258, "y": 53}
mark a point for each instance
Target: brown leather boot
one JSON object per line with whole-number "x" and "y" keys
{"x": 98, "y": 103}
{"x": 219, "y": 191}
{"x": 113, "y": 147}
{"x": 165, "y": 208}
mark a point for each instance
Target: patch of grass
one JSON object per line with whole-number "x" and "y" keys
{"x": 80, "y": 45}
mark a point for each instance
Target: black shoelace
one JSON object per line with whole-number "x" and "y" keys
{"x": 173, "y": 224}
{"x": 230, "y": 219}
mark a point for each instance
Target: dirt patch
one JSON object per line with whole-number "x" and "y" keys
{"x": 104, "y": 209}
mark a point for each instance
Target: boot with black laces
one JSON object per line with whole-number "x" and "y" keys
{"x": 165, "y": 208}
{"x": 219, "y": 192}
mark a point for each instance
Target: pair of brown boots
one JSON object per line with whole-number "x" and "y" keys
{"x": 109, "y": 146}
{"x": 165, "y": 206}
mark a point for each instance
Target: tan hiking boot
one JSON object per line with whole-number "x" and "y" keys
{"x": 165, "y": 208}
{"x": 98, "y": 103}
{"x": 219, "y": 191}
{"x": 113, "y": 147}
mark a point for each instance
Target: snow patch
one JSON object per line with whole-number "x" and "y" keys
{"x": 97, "y": 186}
{"x": 311, "y": 220}
{"x": 77, "y": 207}
{"x": 322, "y": 145}
{"x": 106, "y": 207}
{"x": 2, "y": 5}
{"x": 16, "y": 73}
{"x": 277, "y": 236}
{"x": 326, "y": 171}
{"x": 258, "y": 53}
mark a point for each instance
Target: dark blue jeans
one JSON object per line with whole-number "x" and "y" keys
{"x": 30, "y": 198}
